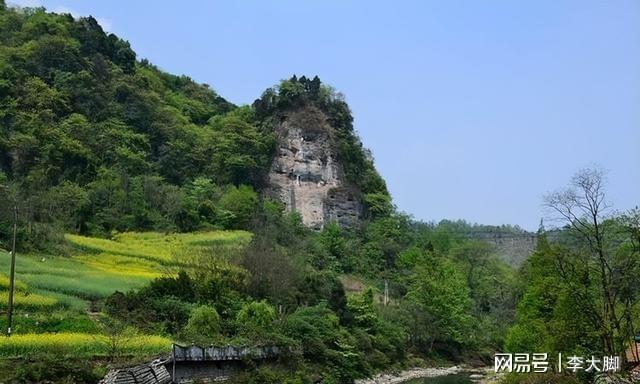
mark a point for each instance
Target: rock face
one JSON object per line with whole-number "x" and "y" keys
{"x": 511, "y": 248}
{"x": 306, "y": 174}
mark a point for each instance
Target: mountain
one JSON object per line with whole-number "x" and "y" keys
{"x": 306, "y": 174}
{"x": 94, "y": 140}
{"x": 107, "y": 157}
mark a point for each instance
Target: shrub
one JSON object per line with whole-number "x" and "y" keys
{"x": 255, "y": 317}
{"x": 203, "y": 325}
{"x": 50, "y": 369}
{"x": 242, "y": 203}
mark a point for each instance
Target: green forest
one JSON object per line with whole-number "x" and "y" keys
{"x": 142, "y": 221}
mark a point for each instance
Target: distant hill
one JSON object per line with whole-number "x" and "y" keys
{"x": 512, "y": 248}
{"x": 511, "y": 244}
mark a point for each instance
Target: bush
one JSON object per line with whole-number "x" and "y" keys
{"x": 241, "y": 202}
{"x": 255, "y": 317}
{"x": 50, "y": 369}
{"x": 328, "y": 345}
{"x": 203, "y": 325}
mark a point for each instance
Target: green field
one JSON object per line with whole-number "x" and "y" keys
{"x": 54, "y": 293}
{"x": 81, "y": 345}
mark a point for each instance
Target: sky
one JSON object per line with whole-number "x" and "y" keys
{"x": 473, "y": 109}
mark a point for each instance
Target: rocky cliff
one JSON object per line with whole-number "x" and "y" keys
{"x": 306, "y": 173}
{"x": 511, "y": 248}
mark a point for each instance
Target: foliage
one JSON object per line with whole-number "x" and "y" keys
{"x": 93, "y": 141}
{"x": 274, "y": 272}
{"x": 146, "y": 172}
{"x": 592, "y": 264}
{"x": 361, "y": 306}
{"x": 438, "y": 293}
{"x": 241, "y": 202}
{"x": 379, "y": 204}
{"x": 50, "y": 369}
{"x": 240, "y": 152}
{"x": 255, "y": 317}
{"x": 325, "y": 343}
{"x": 203, "y": 324}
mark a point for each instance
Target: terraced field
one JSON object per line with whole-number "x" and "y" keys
{"x": 54, "y": 292}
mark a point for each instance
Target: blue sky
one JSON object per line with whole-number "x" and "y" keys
{"x": 473, "y": 109}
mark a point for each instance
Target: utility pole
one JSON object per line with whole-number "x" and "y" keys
{"x": 12, "y": 275}
{"x": 386, "y": 292}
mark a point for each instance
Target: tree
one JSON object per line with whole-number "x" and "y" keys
{"x": 255, "y": 318}
{"x": 240, "y": 153}
{"x": 364, "y": 313}
{"x": 242, "y": 203}
{"x": 118, "y": 336}
{"x": 326, "y": 343}
{"x": 378, "y": 204}
{"x": 203, "y": 325}
{"x": 440, "y": 300}
{"x": 274, "y": 273}
{"x": 91, "y": 135}
{"x": 67, "y": 202}
{"x": 583, "y": 209}
{"x": 334, "y": 245}
{"x": 536, "y": 307}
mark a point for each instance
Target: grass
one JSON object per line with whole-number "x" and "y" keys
{"x": 4, "y": 283}
{"x": 52, "y": 321}
{"x": 98, "y": 267}
{"x": 95, "y": 268}
{"x": 81, "y": 345}
{"x": 157, "y": 247}
{"x": 71, "y": 276}
{"x": 26, "y": 300}
{"x": 54, "y": 292}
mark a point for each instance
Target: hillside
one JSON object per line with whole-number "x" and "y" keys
{"x": 94, "y": 141}
{"x": 58, "y": 297}
{"x": 164, "y": 231}
{"x": 95, "y": 268}
{"x": 151, "y": 211}
{"x": 511, "y": 244}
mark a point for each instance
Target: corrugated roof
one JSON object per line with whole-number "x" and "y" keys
{"x": 142, "y": 374}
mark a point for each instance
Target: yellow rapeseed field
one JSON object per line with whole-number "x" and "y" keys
{"x": 81, "y": 345}
{"x": 93, "y": 269}
{"x": 27, "y": 300}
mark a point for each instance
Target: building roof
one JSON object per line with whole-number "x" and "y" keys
{"x": 154, "y": 373}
